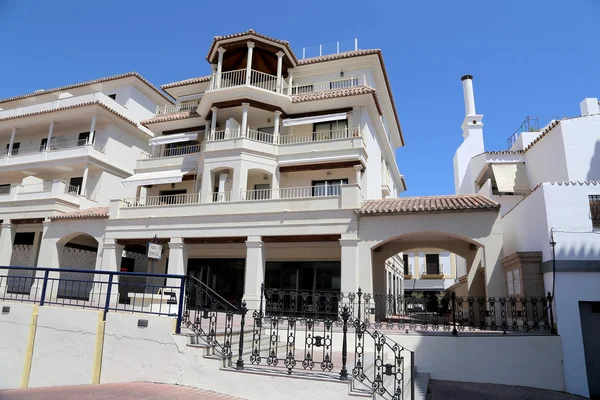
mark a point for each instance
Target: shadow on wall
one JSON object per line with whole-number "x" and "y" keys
{"x": 594, "y": 171}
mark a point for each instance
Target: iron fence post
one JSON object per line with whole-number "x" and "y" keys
{"x": 553, "y": 330}
{"x": 181, "y": 301}
{"x": 345, "y": 317}
{"x": 108, "y": 292}
{"x": 453, "y": 298}
{"x": 240, "y": 362}
{"x": 359, "y": 306}
{"x": 262, "y": 294}
{"x": 44, "y": 287}
{"x": 412, "y": 375}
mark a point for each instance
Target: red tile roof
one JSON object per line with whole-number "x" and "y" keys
{"x": 89, "y": 103}
{"x": 100, "y": 80}
{"x": 171, "y": 117}
{"x": 88, "y": 213}
{"x": 184, "y": 82}
{"x": 337, "y": 93}
{"x": 428, "y": 204}
{"x": 251, "y": 32}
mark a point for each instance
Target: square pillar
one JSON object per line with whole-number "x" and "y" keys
{"x": 12, "y": 141}
{"x": 222, "y": 180}
{"x": 244, "y": 132}
{"x": 206, "y": 186}
{"x": 249, "y": 62}
{"x": 290, "y": 81}
{"x": 349, "y": 263}
{"x": 49, "y": 138}
{"x": 7, "y": 238}
{"x": 219, "y": 67}
{"x": 92, "y": 137}
{"x": 279, "y": 55}
{"x": 240, "y": 182}
{"x": 178, "y": 257}
{"x": 112, "y": 253}
{"x": 213, "y": 122}
{"x": 255, "y": 271}
{"x": 84, "y": 180}
{"x": 276, "y": 123}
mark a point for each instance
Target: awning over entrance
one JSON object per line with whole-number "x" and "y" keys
{"x": 314, "y": 119}
{"x": 179, "y": 137}
{"x": 155, "y": 178}
{"x": 511, "y": 178}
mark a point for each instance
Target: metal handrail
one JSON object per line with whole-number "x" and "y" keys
{"x": 214, "y": 296}
{"x": 94, "y": 271}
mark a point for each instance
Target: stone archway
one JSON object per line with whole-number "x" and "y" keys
{"x": 76, "y": 251}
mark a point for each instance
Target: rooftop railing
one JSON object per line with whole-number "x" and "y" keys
{"x": 175, "y": 108}
{"x": 530, "y": 124}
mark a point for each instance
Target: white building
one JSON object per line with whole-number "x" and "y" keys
{"x": 547, "y": 183}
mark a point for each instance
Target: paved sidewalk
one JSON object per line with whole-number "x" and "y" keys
{"x": 450, "y": 390}
{"x": 115, "y": 391}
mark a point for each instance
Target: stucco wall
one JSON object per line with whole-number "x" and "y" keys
{"x": 373, "y": 170}
{"x": 14, "y": 335}
{"x": 64, "y": 347}
{"x": 546, "y": 160}
{"x": 581, "y": 138}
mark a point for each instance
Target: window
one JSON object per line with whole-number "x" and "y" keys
{"x": 24, "y": 238}
{"x": 406, "y": 269}
{"x": 15, "y": 149}
{"x": 432, "y": 262}
{"x": 328, "y": 188}
{"x": 75, "y": 185}
{"x": 330, "y": 130}
{"x": 172, "y": 196}
{"x": 113, "y": 96}
{"x": 43, "y": 144}
{"x": 595, "y": 210}
{"x": 83, "y": 138}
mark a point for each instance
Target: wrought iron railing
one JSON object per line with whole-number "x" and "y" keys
{"x": 109, "y": 291}
{"x": 595, "y": 210}
{"x": 530, "y": 124}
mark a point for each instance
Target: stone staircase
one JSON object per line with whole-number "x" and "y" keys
{"x": 354, "y": 388}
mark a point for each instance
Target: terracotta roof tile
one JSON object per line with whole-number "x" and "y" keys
{"x": 100, "y": 80}
{"x": 251, "y": 32}
{"x": 337, "y": 93}
{"x": 88, "y": 213}
{"x": 544, "y": 133}
{"x": 89, "y": 103}
{"x": 505, "y": 152}
{"x": 428, "y": 204}
{"x": 171, "y": 117}
{"x": 184, "y": 82}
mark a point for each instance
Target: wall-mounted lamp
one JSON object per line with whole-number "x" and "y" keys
{"x": 172, "y": 186}
{"x": 342, "y": 74}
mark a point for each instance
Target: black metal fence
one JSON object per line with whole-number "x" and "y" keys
{"x": 156, "y": 294}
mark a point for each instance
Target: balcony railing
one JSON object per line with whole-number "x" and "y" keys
{"x": 239, "y": 78}
{"x": 45, "y": 186}
{"x": 260, "y": 136}
{"x": 71, "y": 144}
{"x": 4, "y": 190}
{"x": 165, "y": 200}
{"x": 531, "y": 124}
{"x": 224, "y": 135}
{"x": 72, "y": 190}
{"x": 320, "y": 136}
{"x": 159, "y": 151}
{"x": 175, "y": 108}
{"x": 345, "y": 83}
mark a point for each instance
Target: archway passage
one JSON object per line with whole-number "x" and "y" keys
{"x": 466, "y": 225}
{"x": 79, "y": 252}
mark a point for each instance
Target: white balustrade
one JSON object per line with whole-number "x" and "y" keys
{"x": 260, "y": 136}
{"x": 165, "y": 200}
{"x": 290, "y": 193}
{"x": 263, "y": 81}
{"x": 175, "y": 108}
{"x": 224, "y": 135}
{"x": 328, "y": 85}
{"x": 218, "y": 197}
{"x": 230, "y": 79}
{"x": 320, "y": 136}
{"x": 160, "y": 151}
{"x": 72, "y": 190}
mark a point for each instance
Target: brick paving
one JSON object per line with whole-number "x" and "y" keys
{"x": 450, "y": 390}
{"x": 115, "y": 391}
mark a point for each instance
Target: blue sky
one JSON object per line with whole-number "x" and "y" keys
{"x": 529, "y": 57}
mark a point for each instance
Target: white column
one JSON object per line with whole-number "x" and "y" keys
{"x": 276, "y": 124}
{"x": 92, "y": 136}
{"x": 207, "y": 126}
{"x": 279, "y": 55}
{"x": 12, "y": 141}
{"x": 349, "y": 261}
{"x": 49, "y": 140}
{"x": 112, "y": 253}
{"x": 213, "y": 122}
{"x": 244, "y": 119}
{"x": 219, "y": 66}
{"x": 357, "y": 171}
{"x": 7, "y": 238}
{"x": 289, "y": 90}
{"x": 177, "y": 261}
{"x": 85, "y": 178}
{"x": 249, "y": 62}
{"x": 206, "y": 186}
{"x": 255, "y": 271}
{"x": 222, "y": 180}
{"x": 240, "y": 181}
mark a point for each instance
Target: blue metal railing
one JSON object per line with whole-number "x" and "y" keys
{"x": 135, "y": 292}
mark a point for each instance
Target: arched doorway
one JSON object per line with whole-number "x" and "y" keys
{"x": 79, "y": 252}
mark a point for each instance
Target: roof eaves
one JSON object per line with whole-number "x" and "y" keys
{"x": 92, "y": 82}
{"x": 251, "y": 32}
{"x": 171, "y": 117}
{"x": 185, "y": 82}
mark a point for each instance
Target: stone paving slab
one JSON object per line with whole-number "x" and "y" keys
{"x": 450, "y": 390}
{"x": 114, "y": 391}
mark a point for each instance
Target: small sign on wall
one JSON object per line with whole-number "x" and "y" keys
{"x": 154, "y": 251}
{"x": 509, "y": 280}
{"x": 517, "y": 281}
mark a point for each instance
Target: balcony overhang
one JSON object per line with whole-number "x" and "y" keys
{"x": 156, "y": 177}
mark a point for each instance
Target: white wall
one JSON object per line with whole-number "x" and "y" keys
{"x": 373, "y": 170}
{"x": 545, "y": 160}
{"x": 140, "y": 106}
{"x": 121, "y": 146}
{"x": 14, "y": 335}
{"x": 581, "y": 137}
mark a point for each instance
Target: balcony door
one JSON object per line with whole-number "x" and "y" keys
{"x": 330, "y": 130}
{"x": 83, "y": 138}
{"x": 329, "y": 187}
{"x": 15, "y": 149}
{"x": 432, "y": 264}
{"x": 75, "y": 185}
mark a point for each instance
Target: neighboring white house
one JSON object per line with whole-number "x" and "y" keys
{"x": 65, "y": 150}
{"x": 548, "y": 186}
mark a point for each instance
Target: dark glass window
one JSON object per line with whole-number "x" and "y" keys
{"x": 432, "y": 264}
{"x": 595, "y": 210}
{"x": 405, "y": 259}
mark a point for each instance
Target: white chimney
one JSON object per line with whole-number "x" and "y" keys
{"x": 467, "y": 82}
{"x": 589, "y": 106}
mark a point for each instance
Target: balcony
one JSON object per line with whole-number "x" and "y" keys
{"x": 51, "y": 152}
{"x": 26, "y": 199}
{"x": 309, "y": 198}
{"x": 175, "y": 108}
{"x": 530, "y": 124}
